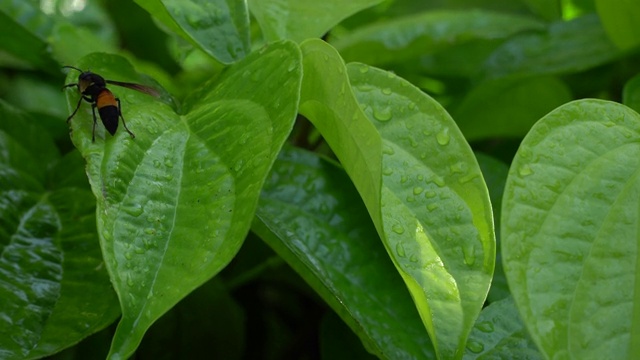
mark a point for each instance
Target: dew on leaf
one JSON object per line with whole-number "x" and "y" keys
{"x": 432, "y": 207}
{"x": 485, "y": 326}
{"x": 475, "y": 347}
{"x": 525, "y": 170}
{"x": 398, "y": 229}
{"x": 443, "y": 137}
{"x": 417, "y": 190}
{"x": 400, "y": 250}
{"x": 383, "y": 114}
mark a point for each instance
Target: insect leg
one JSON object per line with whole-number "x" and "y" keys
{"x": 76, "y": 110}
{"x": 93, "y": 134}
{"x": 122, "y": 117}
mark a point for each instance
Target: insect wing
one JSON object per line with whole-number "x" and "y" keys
{"x": 142, "y": 88}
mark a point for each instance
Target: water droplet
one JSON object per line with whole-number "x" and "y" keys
{"x": 485, "y": 326}
{"x": 168, "y": 163}
{"x": 430, "y": 194}
{"x": 383, "y": 114}
{"x": 150, "y": 231}
{"x": 417, "y": 190}
{"x": 130, "y": 280}
{"x": 157, "y": 163}
{"x": 458, "y": 168}
{"x": 238, "y": 165}
{"x": 610, "y": 124}
{"x": 133, "y": 210}
{"x": 386, "y": 91}
{"x": 469, "y": 254}
{"x": 465, "y": 179}
{"x": 403, "y": 179}
{"x": 443, "y": 137}
{"x": 400, "y": 250}
{"x": 292, "y": 66}
{"x": 432, "y": 207}
{"x": 364, "y": 69}
{"x": 475, "y": 347}
{"x": 127, "y": 255}
{"x": 438, "y": 180}
{"x": 388, "y": 150}
{"x": 387, "y": 171}
{"x": 412, "y": 106}
{"x": 525, "y": 170}
{"x": 398, "y": 229}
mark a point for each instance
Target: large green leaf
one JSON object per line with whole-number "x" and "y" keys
{"x": 565, "y": 46}
{"x": 513, "y": 110}
{"x": 54, "y": 290}
{"x": 310, "y": 213}
{"x": 499, "y": 333}
{"x": 420, "y": 183}
{"x": 302, "y": 19}
{"x": 175, "y": 203}
{"x": 218, "y": 27}
{"x": 620, "y": 20}
{"x": 570, "y": 231}
{"x": 427, "y": 33}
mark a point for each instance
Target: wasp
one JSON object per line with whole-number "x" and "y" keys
{"x": 93, "y": 89}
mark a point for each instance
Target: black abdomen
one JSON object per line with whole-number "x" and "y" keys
{"x": 109, "y": 115}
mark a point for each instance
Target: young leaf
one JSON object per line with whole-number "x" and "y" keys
{"x": 416, "y": 35}
{"x": 175, "y": 203}
{"x": 302, "y": 19}
{"x": 619, "y": 18}
{"x": 569, "y": 230}
{"x": 566, "y": 46}
{"x": 310, "y": 214}
{"x": 512, "y": 109}
{"x": 499, "y": 333}
{"x": 218, "y": 27}
{"x": 419, "y": 181}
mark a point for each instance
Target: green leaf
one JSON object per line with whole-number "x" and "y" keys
{"x": 310, "y": 214}
{"x": 87, "y": 302}
{"x": 413, "y": 36}
{"x": 565, "y": 47}
{"x": 620, "y": 21}
{"x": 176, "y": 202}
{"x": 25, "y": 29}
{"x": 570, "y": 218}
{"x": 302, "y": 19}
{"x": 35, "y": 151}
{"x": 499, "y": 333}
{"x": 631, "y": 93}
{"x": 548, "y": 9}
{"x": 495, "y": 173}
{"x": 513, "y": 110}
{"x": 218, "y": 27}
{"x": 419, "y": 181}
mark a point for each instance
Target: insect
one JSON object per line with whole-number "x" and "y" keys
{"x": 93, "y": 89}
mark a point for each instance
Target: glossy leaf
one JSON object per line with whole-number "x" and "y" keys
{"x": 505, "y": 107}
{"x": 569, "y": 230}
{"x": 218, "y": 27}
{"x": 499, "y": 333}
{"x": 495, "y": 173}
{"x": 427, "y": 33}
{"x": 310, "y": 214}
{"x": 25, "y": 28}
{"x": 620, "y": 20}
{"x": 87, "y": 302}
{"x": 176, "y": 202}
{"x": 302, "y": 19}
{"x": 566, "y": 46}
{"x": 419, "y": 181}
{"x": 631, "y": 93}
